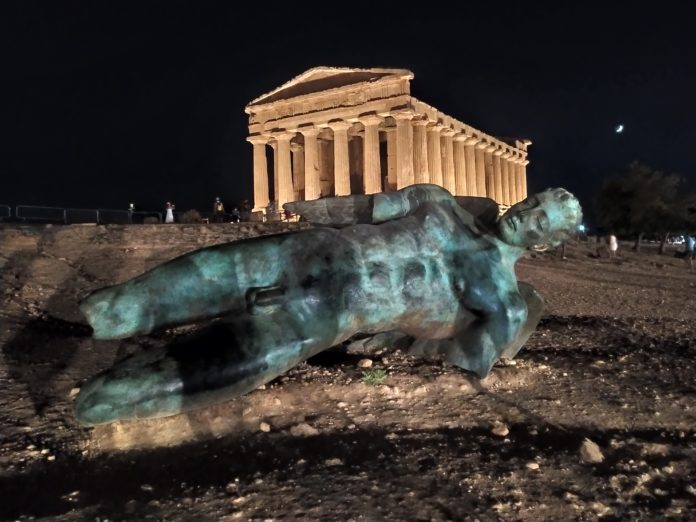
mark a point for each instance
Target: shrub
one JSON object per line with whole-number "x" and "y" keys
{"x": 374, "y": 377}
{"x": 190, "y": 216}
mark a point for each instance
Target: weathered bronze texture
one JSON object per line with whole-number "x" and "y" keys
{"x": 415, "y": 261}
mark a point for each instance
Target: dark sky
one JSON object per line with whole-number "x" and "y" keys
{"x": 144, "y": 102}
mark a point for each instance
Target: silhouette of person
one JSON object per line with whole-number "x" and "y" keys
{"x": 169, "y": 213}
{"x": 218, "y": 211}
{"x": 413, "y": 261}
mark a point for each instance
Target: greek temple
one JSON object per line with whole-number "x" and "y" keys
{"x": 340, "y": 131}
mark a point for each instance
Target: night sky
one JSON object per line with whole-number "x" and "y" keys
{"x": 144, "y": 102}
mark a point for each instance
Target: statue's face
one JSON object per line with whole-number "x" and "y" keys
{"x": 532, "y": 220}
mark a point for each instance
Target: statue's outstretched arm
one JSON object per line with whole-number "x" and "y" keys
{"x": 369, "y": 209}
{"x": 504, "y": 323}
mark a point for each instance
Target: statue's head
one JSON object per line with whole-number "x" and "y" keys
{"x": 548, "y": 218}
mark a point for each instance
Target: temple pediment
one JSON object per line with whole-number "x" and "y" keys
{"x": 320, "y": 79}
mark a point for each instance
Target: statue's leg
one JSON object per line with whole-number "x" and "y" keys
{"x": 226, "y": 359}
{"x": 210, "y": 282}
{"x": 535, "y": 309}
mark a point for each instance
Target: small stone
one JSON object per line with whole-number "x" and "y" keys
{"x": 246, "y": 412}
{"x": 45, "y": 451}
{"x": 342, "y": 404}
{"x": 532, "y": 465}
{"x": 51, "y": 458}
{"x": 365, "y": 363}
{"x": 391, "y": 436}
{"x": 187, "y": 501}
{"x": 74, "y": 392}
{"x": 600, "y": 508}
{"x": 303, "y": 430}
{"x": 333, "y": 462}
{"x": 265, "y": 427}
{"x": 146, "y": 487}
{"x": 232, "y": 487}
{"x": 590, "y": 452}
{"x": 500, "y": 429}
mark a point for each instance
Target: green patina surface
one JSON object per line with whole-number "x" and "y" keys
{"x": 413, "y": 261}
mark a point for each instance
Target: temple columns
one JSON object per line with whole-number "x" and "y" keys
{"x": 372, "y": 182}
{"x": 261, "y": 196}
{"x": 284, "y": 175}
{"x": 523, "y": 178}
{"x": 448, "y": 174}
{"x": 391, "y": 158}
{"x": 460, "y": 166}
{"x": 298, "y": 168}
{"x": 341, "y": 158}
{"x": 498, "y": 176}
{"x": 311, "y": 163}
{"x": 435, "y": 154}
{"x": 404, "y": 149}
{"x": 491, "y": 187}
{"x": 479, "y": 155}
{"x": 505, "y": 176}
{"x": 470, "y": 160}
{"x": 421, "y": 173}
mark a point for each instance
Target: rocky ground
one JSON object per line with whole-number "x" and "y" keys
{"x": 593, "y": 420}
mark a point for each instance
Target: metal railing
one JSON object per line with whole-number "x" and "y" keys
{"x": 68, "y": 216}
{"x": 5, "y": 212}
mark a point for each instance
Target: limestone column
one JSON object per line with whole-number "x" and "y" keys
{"x": 261, "y": 197}
{"x": 479, "y": 155}
{"x": 460, "y": 166}
{"x": 404, "y": 149}
{"x": 470, "y": 160}
{"x": 435, "y": 154}
{"x": 298, "y": 176}
{"x": 448, "y": 177}
{"x": 421, "y": 172}
{"x": 391, "y": 158}
{"x": 274, "y": 146}
{"x": 341, "y": 161}
{"x": 491, "y": 188}
{"x": 514, "y": 178}
{"x": 498, "y": 175}
{"x": 505, "y": 175}
{"x": 285, "y": 189}
{"x": 372, "y": 168}
{"x": 311, "y": 164}
{"x": 523, "y": 176}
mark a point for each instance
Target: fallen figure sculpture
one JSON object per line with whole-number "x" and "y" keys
{"x": 415, "y": 261}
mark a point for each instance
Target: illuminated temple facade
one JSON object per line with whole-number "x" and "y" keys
{"x": 340, "y": 131}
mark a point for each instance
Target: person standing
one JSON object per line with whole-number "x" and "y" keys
{"x": 613, "y": 244}
{"x": 690, "y": 251}
{"x": 169, "y": 213}
{"x": 218, "y": 211}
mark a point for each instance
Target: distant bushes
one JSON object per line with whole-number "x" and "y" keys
{"x": 190, "y": 216}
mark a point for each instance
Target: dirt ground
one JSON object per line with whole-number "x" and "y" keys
{"x": 613, "y": 361}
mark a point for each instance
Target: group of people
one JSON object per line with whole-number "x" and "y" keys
{"x": 219, "y": 213}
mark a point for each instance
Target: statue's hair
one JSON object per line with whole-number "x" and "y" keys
{"x": 572, "y": 212}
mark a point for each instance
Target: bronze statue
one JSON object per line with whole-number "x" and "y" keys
{"x": 413, "y": 261}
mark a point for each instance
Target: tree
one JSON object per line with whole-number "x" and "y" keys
{"x": 643, "y": 201}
